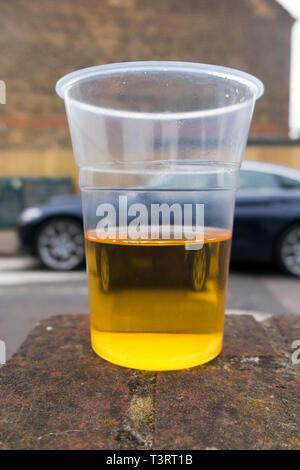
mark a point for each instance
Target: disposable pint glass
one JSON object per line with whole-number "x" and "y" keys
{"x": 159, "y": 146}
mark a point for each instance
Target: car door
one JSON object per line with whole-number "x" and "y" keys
{"x": 257, "y": 212}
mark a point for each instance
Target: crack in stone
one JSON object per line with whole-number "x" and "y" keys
{"x": 137, "y": 429}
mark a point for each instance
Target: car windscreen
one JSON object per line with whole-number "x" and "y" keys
{"x": 263, "y": 181}
{"x": 257, "y": 180}
{"x": 288, "y": 183}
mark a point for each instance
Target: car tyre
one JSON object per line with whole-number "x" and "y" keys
{"x": 60, "y": 244}
{"x": 288, "y": 250}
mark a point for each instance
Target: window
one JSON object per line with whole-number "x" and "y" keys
{"x": 258, "y": 180}
{"x": 288, "y": 183}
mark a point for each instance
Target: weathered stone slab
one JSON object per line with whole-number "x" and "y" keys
{"x": 289, "y": 326}
{"x": 245, "y": 337}
{"x": 227, "y": 409}
{"x": 57, "y": 394}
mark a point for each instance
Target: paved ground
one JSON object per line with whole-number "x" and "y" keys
{"x": 29, "y": 293}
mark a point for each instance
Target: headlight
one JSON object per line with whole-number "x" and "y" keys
{"x": 29, "y": 214}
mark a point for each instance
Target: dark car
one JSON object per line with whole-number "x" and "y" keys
{"x": 54, "y": 233}
{"x": 266, "y": 223}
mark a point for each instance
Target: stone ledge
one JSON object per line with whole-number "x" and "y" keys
{"x": 57, "y": 394}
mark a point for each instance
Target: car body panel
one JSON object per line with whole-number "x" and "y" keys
{"x": 258, "y": 222}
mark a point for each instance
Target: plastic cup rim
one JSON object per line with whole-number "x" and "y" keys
{"x": 65, "y": 84}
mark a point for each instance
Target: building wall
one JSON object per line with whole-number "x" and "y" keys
{"x": 41, "y": 41}
{"x": 288, "y": 155}
{"x": 38, "y": 163}
{"x": 61, "y": 163}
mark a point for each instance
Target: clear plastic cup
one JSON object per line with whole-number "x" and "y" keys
{"x": 159, "y": 146}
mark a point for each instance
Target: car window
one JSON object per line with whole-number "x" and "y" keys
{"x": 258, "y": 180}
{"x": 288, "y": 183}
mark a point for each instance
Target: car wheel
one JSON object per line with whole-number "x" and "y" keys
{"x": 288, "y": 250}
{"x": 60, "y": 244}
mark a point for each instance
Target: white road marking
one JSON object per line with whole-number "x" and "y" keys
{"x": 11, "y": 278}
{"x": 56, "y": 290}
{"x": 22, "y": 270}
{"x": 17, "y": 263}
